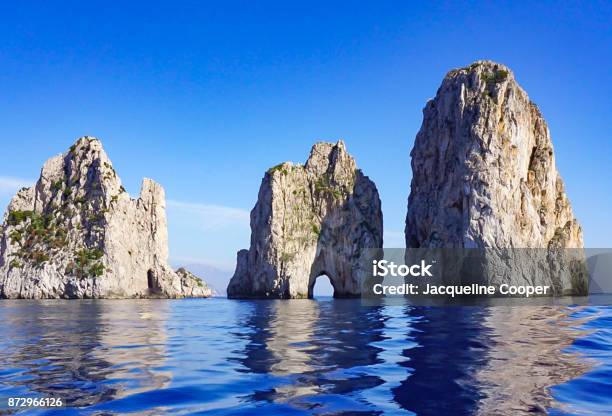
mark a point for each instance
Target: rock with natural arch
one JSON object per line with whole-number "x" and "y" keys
{"x": 310, "y": 220}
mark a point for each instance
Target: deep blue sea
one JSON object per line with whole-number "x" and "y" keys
{"x": 302, "y": 357}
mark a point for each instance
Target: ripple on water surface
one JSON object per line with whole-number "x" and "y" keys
{"x": 324, "y": 356}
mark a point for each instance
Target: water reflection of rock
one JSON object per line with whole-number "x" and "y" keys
{"x": 496, "y": 360}
{"x": 452, "y": 345}
{"x": 82, "y": 351}
{"x": 526, "y": 359}
{"x": 307, "y": 345}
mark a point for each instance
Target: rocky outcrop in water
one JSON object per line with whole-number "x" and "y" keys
{"x": 78, "y": 234}
{"x": 484, "y": 172}
{"x": 310, "y": 220}
{"x": 484, "y": 176}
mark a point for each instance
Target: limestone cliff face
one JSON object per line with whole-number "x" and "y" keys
{"x": 78, "y": 234}
{"x": 484, "y": 173}
{"x": 309, "y": 220}
{"x": 484, "y": 170}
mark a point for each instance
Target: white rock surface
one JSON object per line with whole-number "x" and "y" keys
{"x": 78, "y": 234}
{"x": 309, "y": 220}
{"x": 484, "y": 173}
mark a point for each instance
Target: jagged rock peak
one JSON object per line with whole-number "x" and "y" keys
{"x": 77, "y": 234}
{"x": 484, "y": 176}
{"x": 484, "y": 171}
{"x": 309, "y": 220}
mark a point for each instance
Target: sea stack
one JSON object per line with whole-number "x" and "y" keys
{"x": 78, "y": 234}
{"x": 484, "y": 173}
{"x": 310, "y": 220}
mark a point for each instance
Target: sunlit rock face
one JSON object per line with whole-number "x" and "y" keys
{"x": 78, "y": 234}
{"x": 310, "y": 220}
{"x": 484, "y": 173}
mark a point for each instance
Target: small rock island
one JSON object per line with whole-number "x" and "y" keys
{"x": 310, "y": 220}
{"x": 78, "y": 234}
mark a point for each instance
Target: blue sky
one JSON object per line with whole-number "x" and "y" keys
{"x": 203, "y": 97}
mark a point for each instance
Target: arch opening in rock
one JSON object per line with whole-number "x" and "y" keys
{"x": 152, "y": 282}
{"x": 310, "y": 220}
{"x": 321, "y": 286}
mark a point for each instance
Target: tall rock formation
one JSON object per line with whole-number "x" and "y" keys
{"x": 78, "y": 234}
{"x": 310, "y": 220}
{"x": 484, "y": 172}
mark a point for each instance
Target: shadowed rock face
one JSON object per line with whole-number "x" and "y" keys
{"x": 309, "y": 220}
{"x": 78, "y": 234}
{"x": 484, "y": 170}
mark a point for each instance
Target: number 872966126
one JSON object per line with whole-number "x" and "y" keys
{"x": 35, "y": 402}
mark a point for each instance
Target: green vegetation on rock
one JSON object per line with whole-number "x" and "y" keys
{"x": 17, "y": 217}
{"x": 315, "y": 229}
{"x": 278, "y": 168}
{"x": 15, "y": 264}
{"x": 324, "y": 185}
{"x": 495, "y": 77}
{"x": 86, "y": 263}
{"x": 57, "y": 185}
{"x": 36, "y": 235}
